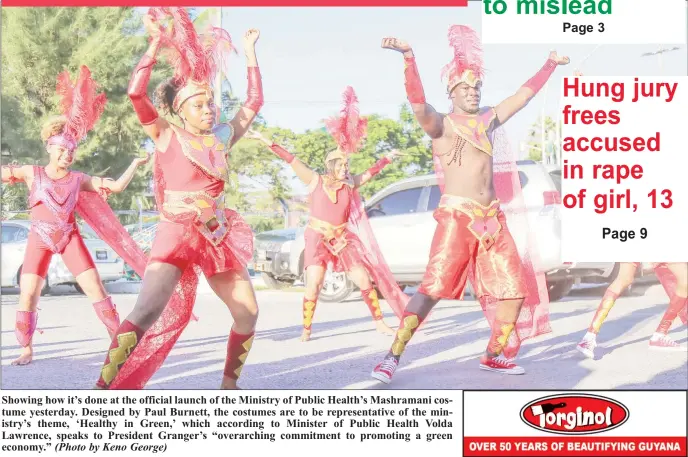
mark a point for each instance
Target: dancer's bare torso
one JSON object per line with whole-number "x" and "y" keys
{"x": 467, "y": 169}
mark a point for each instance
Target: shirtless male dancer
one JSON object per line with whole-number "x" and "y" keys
{"x": 472, "y": 240}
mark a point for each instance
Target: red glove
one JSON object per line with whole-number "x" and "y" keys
{"x": 414, "y": 88}
{"x": 137, "y": 91}
{"x": 538, "y": 81}
{"x": 254, "y": 96}
{"x": 282, "y": 153}
{"x": 379, "y": 165}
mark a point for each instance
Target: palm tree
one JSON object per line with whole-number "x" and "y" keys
{"x": 535, "y": 135}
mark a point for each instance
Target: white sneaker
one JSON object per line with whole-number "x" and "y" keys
{"x": 384, "y": 371}
{"x": 662, "y": 342}
{"x": 500, "y": 364}
{"x": 587, "y": 346}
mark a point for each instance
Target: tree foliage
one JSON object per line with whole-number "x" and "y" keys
{"x": 535, "y": 133}
{"x": 312, "y": 147}
{"x": 385, "y": 135}
{"x": 40, "y": 43}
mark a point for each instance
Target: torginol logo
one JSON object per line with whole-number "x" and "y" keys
{"x": 574, "y": 414}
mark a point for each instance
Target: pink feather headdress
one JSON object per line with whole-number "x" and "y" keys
{"x": 197, "y": 58}
{"x": 348, "y": 129}
{"x": 80, "y": 104}
{"x": 467, "y": 64}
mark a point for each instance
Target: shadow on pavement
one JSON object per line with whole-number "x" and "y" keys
{"x": 427, "y": 364}
{"x": 661, "y": 378}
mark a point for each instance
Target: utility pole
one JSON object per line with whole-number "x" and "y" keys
{"x": 285, "y": 207}
{"x": 218, "y": 80}
{"x": 659, "y": 53}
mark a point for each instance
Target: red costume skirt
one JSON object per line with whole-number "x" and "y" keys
{"x": 181, "y": 244}
{"x": 327, "y": 243}
{"x": 38, "y": 256}
{"x": 473, "y": 239}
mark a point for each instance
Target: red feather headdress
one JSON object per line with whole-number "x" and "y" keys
{"x": 80, "y": 104}
{"x": 467, "y": 64}
{"x": 197, "y": 58}
{"x": 348, "y": 129}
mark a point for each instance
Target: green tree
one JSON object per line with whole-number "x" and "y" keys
{"x": 534, "y": 138}
{"x": 13, "y": 198}
{"x": 383, "y": 135}
{"x": 38, "y": 44}
{"x": 252, "y": 159}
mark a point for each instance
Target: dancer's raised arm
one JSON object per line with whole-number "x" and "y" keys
{"x": 515, "y": 103}
{"x": 152, "y": 123}
{"x": 254, "y": 96}
{"x": 107, "y": 186}
{"x": 373, "y": 171}
{"x": 305, "y": 174}
{"x": 16, "y": 173}
{"x": 429, "y": 119}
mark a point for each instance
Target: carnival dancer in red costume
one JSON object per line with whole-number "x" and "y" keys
{"x": 338, "y": 231}
{"x": 56, "y": 193}
{"x": 472, "y": 240}
{"x": 196, "y": 231}
{"x": 674, "y": 279}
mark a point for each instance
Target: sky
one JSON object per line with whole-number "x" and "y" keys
{"x": 308, "y": 56}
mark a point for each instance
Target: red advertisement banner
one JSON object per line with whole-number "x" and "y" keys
{"x": 617, "y": 446}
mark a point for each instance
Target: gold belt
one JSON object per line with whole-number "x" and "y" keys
{"x": 328, "y": 230}
{"x": 333, "y": 235}
{"x": 210, "y": 219}
{"x": 484, "y": 223}
{"x": 468, "y": 205}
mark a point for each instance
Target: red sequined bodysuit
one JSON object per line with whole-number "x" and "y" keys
{"x": 53, "y": 224}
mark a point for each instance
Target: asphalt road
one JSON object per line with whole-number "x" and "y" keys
{"x": 344, "y": 347}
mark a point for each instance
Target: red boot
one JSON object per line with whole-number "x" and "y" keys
{"x": 238, "y": 347}
{"x": 127, "y": 337}
{"x": 308, "y": 313}
{"x": 25, "y": 327}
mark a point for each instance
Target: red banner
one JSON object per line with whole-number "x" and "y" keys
{"x": 251, "y": 3}
{"x": 617, "y": 446}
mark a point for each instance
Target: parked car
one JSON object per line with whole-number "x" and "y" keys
{"x": 401, "y": 216}
{"x": 143, "y": 236}
{"x": 278, "y": 256}
{"x": 133, "y": 229}
{"x": 15, "y": 235}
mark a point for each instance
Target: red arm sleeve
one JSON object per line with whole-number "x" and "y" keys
{"x": 138, "y": 86}
{"x": 538, "y": 81}
{"x": 414, "y": 87}
{"x": 254, "y": 96}
{"x": 282, "y": 153}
